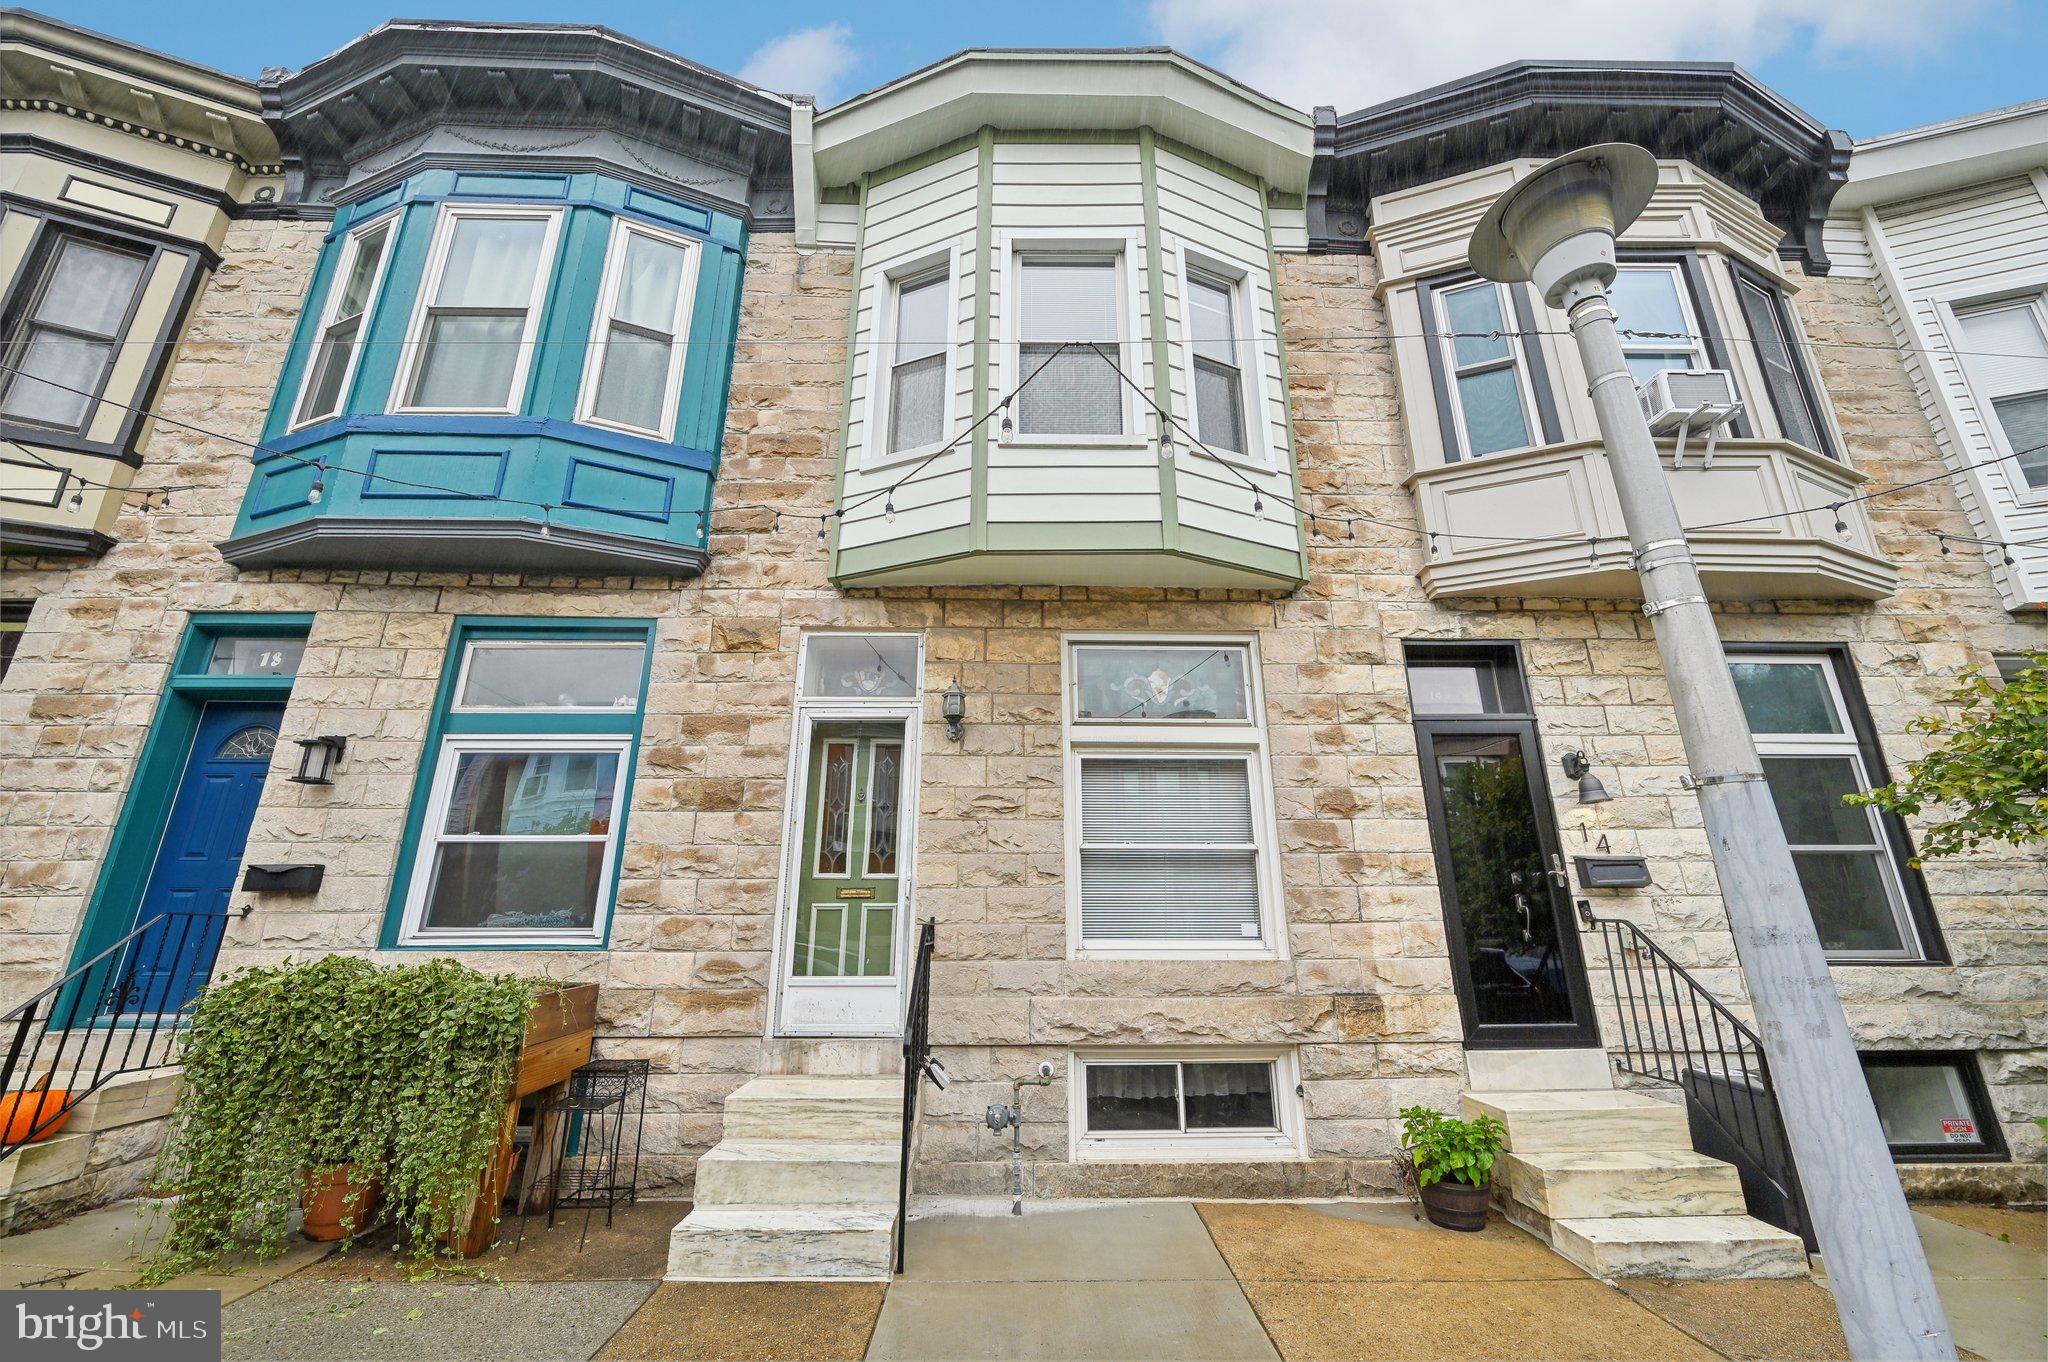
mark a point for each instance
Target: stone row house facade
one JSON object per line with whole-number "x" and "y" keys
{"x": 621, "y": 474}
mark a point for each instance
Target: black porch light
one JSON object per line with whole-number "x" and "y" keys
{"x": 954, "y": 710}
{"x": 1576, "y": 767}
{"x": 317, "y": 758}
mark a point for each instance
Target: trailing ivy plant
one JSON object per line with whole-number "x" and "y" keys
{"x": 400, "y": 1071}
{"x": 1443, "y": 1147}
{"x": 1989, "y": 775}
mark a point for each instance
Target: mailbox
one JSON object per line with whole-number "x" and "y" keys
{"x": 1612, "y": 872}
{"x": 283, "y": 879}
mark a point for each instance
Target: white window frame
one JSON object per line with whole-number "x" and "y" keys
{"x": 1253, "y": 373}
{"x": 456, "y": 706}
{"x": 1517, "y": 360}
{"x": 1686, "y": 305}
{"x": 352, "y": 247}
{"x": 1842, "y": 744}
{"x": 1008, "y": 323}
{"x": 1286, "y": 1143}
{"x": 426, "y": 857}
{"x": 2034, "y": 299}
{"x": 430, "y": 286}
{"x": 623, "y": 231}
{"x": 1170, "y": 739}
{"x": 887, "y": 284}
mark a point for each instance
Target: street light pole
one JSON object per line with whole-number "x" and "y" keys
{"x": 1557, "y": 228}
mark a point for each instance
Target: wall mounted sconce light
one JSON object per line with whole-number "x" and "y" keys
{"x": 955, "y": 710}
{"x": 317, "y": 759}
{"x": 1576, "y": 767}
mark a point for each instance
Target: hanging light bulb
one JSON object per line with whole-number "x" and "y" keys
{"x": 77, "y": 499}
{"x": 1006, "y": 430}
{"x": 889, "y": 507}
{"x": 1944, "y": 544}
{"x": 1258, "y": 506}
{"x": 1841, "y": 525}
{"x": 317, "y": 490}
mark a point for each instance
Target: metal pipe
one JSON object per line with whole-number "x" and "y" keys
{"x": 1017, "y": 1086}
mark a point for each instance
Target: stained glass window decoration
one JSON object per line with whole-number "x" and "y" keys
{"x": 860, "y": 666}
{"x": 835, "y": 809}
{"x": 883, "y": 807}
{"x": 1134, "y": 683}
{"x": 254, "y": 743}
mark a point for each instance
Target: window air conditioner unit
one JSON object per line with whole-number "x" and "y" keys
{"x": 1686, "y": 402}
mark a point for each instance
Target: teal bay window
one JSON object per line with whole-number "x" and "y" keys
{"x": 519, "y": 811}
{"x": 503, "y": 372}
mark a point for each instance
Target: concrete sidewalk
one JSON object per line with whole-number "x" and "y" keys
{"x": 1164, "y": 1279}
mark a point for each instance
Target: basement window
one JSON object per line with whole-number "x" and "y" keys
{"x": 1189, "y": 1104}
{"x": 1933, "y": 1106}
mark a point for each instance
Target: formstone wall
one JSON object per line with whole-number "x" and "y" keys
{"x": 1365, "y": 991}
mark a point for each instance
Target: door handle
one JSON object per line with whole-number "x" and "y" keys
{"x": 1557, "y": 875}
{"x": 1528, "y": 924}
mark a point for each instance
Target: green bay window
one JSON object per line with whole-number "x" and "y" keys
{"x": 520, "y": 807}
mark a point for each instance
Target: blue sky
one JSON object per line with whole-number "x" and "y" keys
{"x": 1868, "y": 66}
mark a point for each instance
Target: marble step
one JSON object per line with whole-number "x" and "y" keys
{"x": 45, "y": 1163}
{"x": 784, "y": 1243}
{"x": 1583, "y": 1119}
{"x": 1602, "y": 1183}
{"x": 797, "y": 1173}
{"x": 810, "y": 1107}
{"x": 1679, "y": 1247}
{"x": 839, "y": 1056}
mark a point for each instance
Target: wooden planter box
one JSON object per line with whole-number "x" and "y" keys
{"x": 558, "y": 1036}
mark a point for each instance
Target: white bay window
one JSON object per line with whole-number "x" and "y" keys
{"x": 1169, "y": 806}
{"x": 1070, "y": 324}
{"x": 339, "y": 344}
{"x": 918, "y": 350}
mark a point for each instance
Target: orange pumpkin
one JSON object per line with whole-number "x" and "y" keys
{"x": 22, "y": 1112}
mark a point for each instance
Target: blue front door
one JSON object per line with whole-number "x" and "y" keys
{"x": 197, "y": 860}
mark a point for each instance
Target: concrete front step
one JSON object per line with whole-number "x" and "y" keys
{"x": 45, "y": 1163}
{"x": 1603, "y": 1183}
{"x": 839, "y": 1056}
{"x": 809, "y": 1107}
{"x": 1583, "y": 1119}
{"x": 1684, "y": 1247}
{"x": 797, "y": 1173}
{"x": 784, "y": 1243}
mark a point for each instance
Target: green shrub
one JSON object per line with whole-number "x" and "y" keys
{"x": 401, "y": 1071}
{"x": 1443, "y": 1146}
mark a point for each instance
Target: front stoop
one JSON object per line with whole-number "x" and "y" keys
{"x": 101, "y": 1153}
{"x": 1611, "y": 1181}
{"x": 801, "y": 1187}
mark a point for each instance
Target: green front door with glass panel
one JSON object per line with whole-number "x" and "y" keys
{"x": 845, "y": 926}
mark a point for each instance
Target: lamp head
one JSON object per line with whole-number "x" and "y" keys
{"x": 1576, "y": 767}
{"x": 1557, "y": 226}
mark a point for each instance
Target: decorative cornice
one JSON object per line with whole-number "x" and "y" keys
{"x": 1713, "y": 114}
{"x": 240, "y": 162}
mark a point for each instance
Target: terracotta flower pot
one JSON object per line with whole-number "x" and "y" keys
{"x": 330, "y": 1197}
{"x": 22, "y": 1112}
{"x": 1456, "y": 1205}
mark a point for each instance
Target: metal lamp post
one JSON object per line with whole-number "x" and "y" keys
{"x": 1556, "y": 228}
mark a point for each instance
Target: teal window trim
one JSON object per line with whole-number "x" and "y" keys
{"x": 447, "y": 723}
{"x": 131, "y": 851}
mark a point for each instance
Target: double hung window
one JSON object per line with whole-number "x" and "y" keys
{"x": 634, "y": 373}
{"x": 1069, "y": 328}
{"x": 1656, "y": 320}
{"x": 64, "y": 328}
{"x": 1219, "y": 360}
{"x": 1486, "y": 370}
{"x": 1848, "y": 858}
{"x": 342, "y": 321}
{"x": 520, "y": 837}
{"x": 919, "y": 347}
{"x": 472, "y": 338}
{"x": 2007, "y": 361}
{"x": 1169, "y": 808}
{"x": 1786, "y": 378}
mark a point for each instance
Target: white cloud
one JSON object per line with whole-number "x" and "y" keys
{"x": 1354, "y": 53}
{"x": 808, "y": 61}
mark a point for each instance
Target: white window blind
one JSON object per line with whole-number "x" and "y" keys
{"x": 1167, "y": 850}
{"x": 334, "y": 360}
{"x": 917, "y": 374}
{"x": 635, "y": 345}
{"x": 1072, "y": 301}
{"x": 475, "y": 335}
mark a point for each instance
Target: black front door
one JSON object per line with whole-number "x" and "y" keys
{"x": 1507, "y": 903}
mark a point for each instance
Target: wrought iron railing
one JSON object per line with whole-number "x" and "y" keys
{"x": 917, "y": 1058}
{"x": 120, "y": 1012}
{"x": 1674, "y": 1031}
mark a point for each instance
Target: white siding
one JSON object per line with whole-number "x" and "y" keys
{"x": 911, "y": 218}
{"x": 1941, "y": 253}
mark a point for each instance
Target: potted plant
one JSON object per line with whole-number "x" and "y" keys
{"x": 1452, "y": 1161}
{"x": 320, "y": 1086}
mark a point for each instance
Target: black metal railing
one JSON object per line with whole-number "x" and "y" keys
{"x": 120, "y": 1012}
{"x": 917, "y": 1059}
{"x": 1674, "y": 1031}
